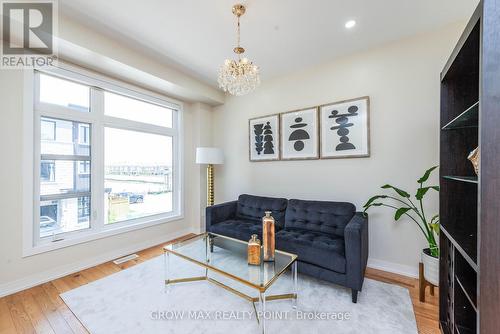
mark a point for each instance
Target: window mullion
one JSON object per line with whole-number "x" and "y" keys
{"x": 97, "y": 164}
{"x": 57, "y": 111}
{"x": 176, "y": 168}
{"x": 73, "y": 194}
{"x": 125, "y": 124}
{"x": 65, "y": 157}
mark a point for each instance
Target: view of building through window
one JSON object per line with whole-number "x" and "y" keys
{"x": 64, "y": 190}
{"x": 138, "y": 180}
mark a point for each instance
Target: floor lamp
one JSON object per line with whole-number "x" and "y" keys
{"x": 209, "y": 156}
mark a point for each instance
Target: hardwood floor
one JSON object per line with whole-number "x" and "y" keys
{"x": 40, "y": 309}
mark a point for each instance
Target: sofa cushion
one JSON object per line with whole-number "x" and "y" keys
{"x": 238, "y": 228}
{"x": 319, "y": 216}
{"x": 253, "y": 208}
{"x": 316, "y": 248}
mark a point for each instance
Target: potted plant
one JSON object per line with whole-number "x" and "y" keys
{"x": 405, "y": 206}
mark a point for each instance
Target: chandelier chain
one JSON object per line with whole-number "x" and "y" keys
{"x": 238, "y": 33}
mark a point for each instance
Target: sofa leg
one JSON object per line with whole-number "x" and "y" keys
{"x": 354, "y": 296}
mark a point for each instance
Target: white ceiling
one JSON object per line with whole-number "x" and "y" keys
{"x": 280, "y": 36}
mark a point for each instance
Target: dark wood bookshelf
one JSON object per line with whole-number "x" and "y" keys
{"x": 469, "y": 293}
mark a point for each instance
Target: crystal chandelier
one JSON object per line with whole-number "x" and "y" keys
{"x": 238, "y": 77}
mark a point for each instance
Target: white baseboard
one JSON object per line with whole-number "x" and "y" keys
{"x": 394, "y": 268}
{"x": 55, "y": 273}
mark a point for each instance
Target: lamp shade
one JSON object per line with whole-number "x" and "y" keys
{"x": 209, "y": 155}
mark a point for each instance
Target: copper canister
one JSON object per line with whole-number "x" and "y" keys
{"x": 268, "y": 236}
{"x": 254, "y": 250}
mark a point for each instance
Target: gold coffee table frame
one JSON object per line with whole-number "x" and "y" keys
{"x": 262, "y": 288}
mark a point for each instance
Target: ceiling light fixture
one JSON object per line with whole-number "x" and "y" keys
{"x": 238, "y": 77}
{"x": 350, "y": 24}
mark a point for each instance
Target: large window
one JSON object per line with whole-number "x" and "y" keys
{"x": 106, "y": 157}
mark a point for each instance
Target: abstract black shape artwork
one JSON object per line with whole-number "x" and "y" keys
{"x": 264, "y": 138}
{"x": 268, "y": 139}
{"x": 343, "y": 127}
{"x": 259, "y": 138}
{"x": 298, "y": 135}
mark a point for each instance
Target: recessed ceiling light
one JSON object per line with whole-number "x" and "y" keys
{"x": 350, "y": 24}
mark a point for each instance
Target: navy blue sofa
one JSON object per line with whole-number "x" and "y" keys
{"x": 330, "y": 238}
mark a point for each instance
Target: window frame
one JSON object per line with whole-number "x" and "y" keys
{"x": 35, "y": 109}
{"x": 52, "y": 176}
{"x": 85, "y": 170}
{"x": 86, "y": 132}
{"x": 54, "y": 130}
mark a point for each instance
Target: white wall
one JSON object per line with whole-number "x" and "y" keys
{"x": 17, "y": 272}
{"x": 402, "y": 80}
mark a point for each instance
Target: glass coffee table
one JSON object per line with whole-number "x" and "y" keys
{"x": 228, "y": 257}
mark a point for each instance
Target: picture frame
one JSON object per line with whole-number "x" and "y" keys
{"x": 351, "y": 120}
{"x": 264, "y": 138}
{"x": 299, "y": 131}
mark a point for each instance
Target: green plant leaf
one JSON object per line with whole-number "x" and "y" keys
{"x": 400, "y": 212}
{"x": 371, "y": 200}
{"x": 399, "y": 191}
{"x": 422, "y": 191}
{"x": 434, "y": 227}
{"x": 372, "y": 204}
{"x": 426, "y": 175}
{"x": 435, "y": 218}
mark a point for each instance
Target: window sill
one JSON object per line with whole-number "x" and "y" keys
{"x": 87, "y": 236}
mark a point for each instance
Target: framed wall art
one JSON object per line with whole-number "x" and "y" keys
{"x": 264, "y": 138}
{"x": 345, "y": 129}
{"x": 299, "y": 134}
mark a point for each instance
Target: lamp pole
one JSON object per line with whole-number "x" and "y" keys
{"x": 210, "y": 185}
{"x": 209, "y": 156}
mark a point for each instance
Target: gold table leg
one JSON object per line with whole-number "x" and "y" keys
{"x": 262, "y": 299}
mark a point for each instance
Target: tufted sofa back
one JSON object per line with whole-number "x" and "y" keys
{"x": 252, "y": 208}
{"x": 319, "y": 216}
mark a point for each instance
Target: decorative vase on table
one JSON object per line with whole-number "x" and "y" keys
{"x": 254, "y": 250}
{"x": 268, "y": 231}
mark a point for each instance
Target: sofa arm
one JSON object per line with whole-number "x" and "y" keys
{"x": 356, "y": 249}
{"x": 219, "y": 213}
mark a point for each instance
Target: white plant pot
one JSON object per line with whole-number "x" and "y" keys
{"x": 431, "y": 268}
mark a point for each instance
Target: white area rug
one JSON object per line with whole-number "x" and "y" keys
{"x": 135, "y": 301}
